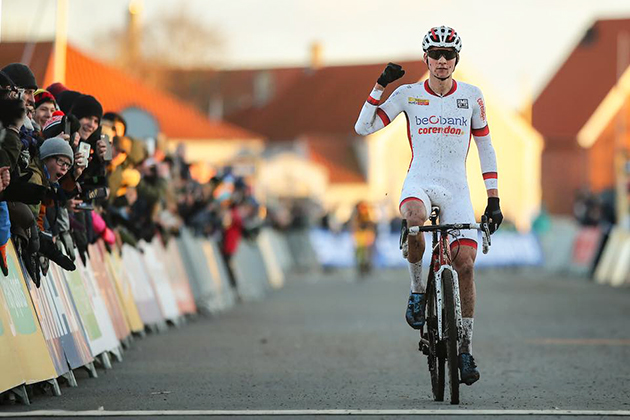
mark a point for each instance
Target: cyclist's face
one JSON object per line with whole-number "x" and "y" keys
{"x": 441, "y": 67}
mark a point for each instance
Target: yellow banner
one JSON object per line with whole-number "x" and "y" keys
{"x": 10, "y": 367}
{"x": 30, "y": 349}
{"x": 124, "y": 290}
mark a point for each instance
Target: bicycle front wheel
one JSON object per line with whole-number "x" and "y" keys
{"x": 435, "y": 356}
{"x": 450, "y": 334}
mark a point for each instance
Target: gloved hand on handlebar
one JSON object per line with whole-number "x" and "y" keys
{"x": 493, "y": 213}
{"x": 391, "y": 73}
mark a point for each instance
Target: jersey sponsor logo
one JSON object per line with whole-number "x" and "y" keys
{"x": 437, "y": 125}
{"x": 483, "y": 109}
{"x": 462, "y": 103}
{"x": 418, "y": 101}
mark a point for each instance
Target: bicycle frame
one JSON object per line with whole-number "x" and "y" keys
{"x": 440, "y": 261}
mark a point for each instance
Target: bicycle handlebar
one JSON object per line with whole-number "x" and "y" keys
{"x": 482, "y": 226}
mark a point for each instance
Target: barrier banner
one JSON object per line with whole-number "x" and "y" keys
{"x": 585, "y": 249}
{"x": 280, "y": 249}
{"x": 10, "y": 367}
{"x": 125, "y": 291}
{"x": 74, "y": 339}
{"x": 51, "y": 325}
{"x": 611, "y": 255}
{"x": 159, "y": 279}
{"x": 24, "y": 356}
{"x": 177, "y": 276}
{"x": 216, "y": 265}
{"x": 92, "y": 309}
{"x": 272, "y": 264}
{"x": 202, "y": 283}
{"x": 61, "y": 325}
{"x": 302, "y": 249}
{"x": 249, "y": 270}
{"x": 106, "y": 286}
{"x": 143, "y": 294}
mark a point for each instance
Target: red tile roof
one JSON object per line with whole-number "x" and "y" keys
{"x": 326, "y": 101}
{"x": 117, "y": 90}
{"x": 583, "y": 80}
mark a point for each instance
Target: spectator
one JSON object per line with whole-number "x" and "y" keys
{"x": 45, "y": 105}
{"x": 24, "y": 80}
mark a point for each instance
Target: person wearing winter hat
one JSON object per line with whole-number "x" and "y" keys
{"x": 89, "y": 112}
{"x": 56, "y": 88}
{"x": 24, "y": 79}
{"x": 57, "y": 157}
{"x": 45, "y": 106}
{"x": 66, "y": 99}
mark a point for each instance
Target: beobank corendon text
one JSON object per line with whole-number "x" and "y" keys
{"x": 434, "y": 120}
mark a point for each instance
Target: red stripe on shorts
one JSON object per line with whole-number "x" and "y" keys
{"x": 409, "y": 199}
{"x": 465, "y": 242}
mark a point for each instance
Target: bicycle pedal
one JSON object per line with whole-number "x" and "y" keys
{"x": 423, "y": 346}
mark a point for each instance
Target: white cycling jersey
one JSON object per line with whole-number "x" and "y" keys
{"x": 439, "y": 129}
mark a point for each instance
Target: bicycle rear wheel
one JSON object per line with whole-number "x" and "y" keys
{"x": 450, "y": 334}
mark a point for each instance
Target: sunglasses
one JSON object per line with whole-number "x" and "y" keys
{"x": 436, "y": 54}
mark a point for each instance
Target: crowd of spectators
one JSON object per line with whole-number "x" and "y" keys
{"x": 70, "y": 176}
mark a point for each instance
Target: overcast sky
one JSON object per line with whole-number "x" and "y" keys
{"x": 512, "y": 44}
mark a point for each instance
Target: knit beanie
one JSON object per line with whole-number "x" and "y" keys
{"x": 56, "y": 147}
{"x": 87, "y": 106}
{"x": 5, "y": 80}
{"x": 66, "y": 99}
{"x": 57, "y": 124}
{"x": 21, "y": 75}
{"x": 42, "y": 96}
{"x": 56, "y": 89}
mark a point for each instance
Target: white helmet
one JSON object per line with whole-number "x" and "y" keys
{"x": 442, "y": 36}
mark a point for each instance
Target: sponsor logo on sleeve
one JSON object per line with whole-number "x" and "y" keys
{"x": 482, "y": 106}
{"x": 462, "y": 103}
{"x": 418, "y": 101}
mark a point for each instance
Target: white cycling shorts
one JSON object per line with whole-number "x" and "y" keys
{"x": 454, "y": 203}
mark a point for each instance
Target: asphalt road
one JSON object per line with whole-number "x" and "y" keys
{"x": 328, "y": 342}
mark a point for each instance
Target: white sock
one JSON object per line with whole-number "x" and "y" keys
{"x": 418, "y": 283}
{"x": 465, "y": 344}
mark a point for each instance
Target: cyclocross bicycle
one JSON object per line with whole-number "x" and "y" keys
{"x": 441, "y": 333}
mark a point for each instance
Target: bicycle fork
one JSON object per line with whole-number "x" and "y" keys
{"x": 439, "y": 297}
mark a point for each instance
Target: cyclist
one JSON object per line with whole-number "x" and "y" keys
{"x": 442, "y": 114}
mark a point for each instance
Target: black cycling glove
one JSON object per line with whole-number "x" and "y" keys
{"x": 493, "y": 213}
{"x": 391, "y": 73}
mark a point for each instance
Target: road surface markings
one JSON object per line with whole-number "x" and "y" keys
{"x": 582, "y": 341}
{"x": 293, "y": 413}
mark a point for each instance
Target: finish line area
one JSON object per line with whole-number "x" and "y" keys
{"x": 299, "y": 413}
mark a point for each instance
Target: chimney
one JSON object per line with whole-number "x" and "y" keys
{"x": 317, "y": 50}
{"x": 263, "y": 87}
{"x": 133, "y": 32}
{"x": 215, "y": 108}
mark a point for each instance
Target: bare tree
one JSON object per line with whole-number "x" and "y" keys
{"x": 172, "y": 39}
{"x": 180, "y": 39}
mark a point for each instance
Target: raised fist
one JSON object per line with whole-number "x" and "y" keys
{"x": 391, "y": 73}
